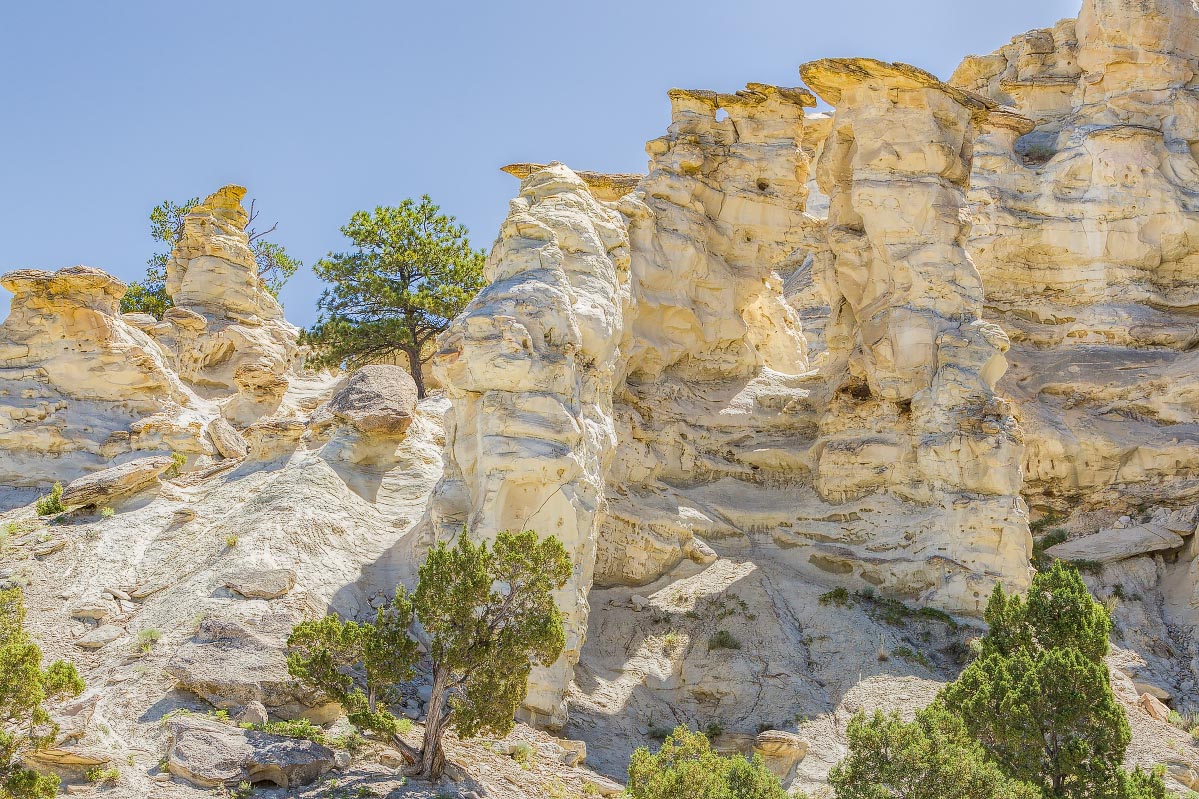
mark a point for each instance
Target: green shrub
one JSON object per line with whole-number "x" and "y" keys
{"x": 147, "y": 638}
{"x": 933, "y": 757}
{"x": 686, "y": 768}
{"x": 52, "y": 502}
{"x": 178, "y": 461}
{"x": 24, "y": 686}
{"x": 839, "y": 596}
{"x": 723, "y": 639}
{"x": 107, "y": 512}
{"x": 99, "y": 775}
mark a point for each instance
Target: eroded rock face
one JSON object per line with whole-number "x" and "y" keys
{"x": 79, "y": 387}
{"x": 210, "y": 754}
{"x": 529, "y": 367}
{"x": 223, "y": 318}
{"x": 913, "y": 366}
{"x": 1086, "y": 238}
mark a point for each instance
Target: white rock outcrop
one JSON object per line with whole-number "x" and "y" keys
{"x": 529, "y": 368}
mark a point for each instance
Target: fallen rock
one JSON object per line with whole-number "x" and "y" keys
{"x": 253, "y": 713}
{"x": 1112, "y": 544}
{"x": 1154, "y": 707}
{"x": 102, "y": 487}
{"x": 101, "y": 636}
{"x": 231, "y": 664}
{"x": 208, "y": 753}
{"x": 228, "y": 442}
{"x": 377, "y": 400}
{"x": 781, "y": 751}
{"x": 97, "y": 609}
{"x": 262, "y": 583}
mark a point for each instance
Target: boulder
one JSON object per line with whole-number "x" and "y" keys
{"x": 1154, "y": 707}
{"x": 262, "y": 583}
{"x": 208, "y": 753}
{"x": 228, "y": 442}
{"x": 1113, "y": 544}
{"x": 377, "y": 400}
{"x": 230, "y": 664}
{"x": 108, "y": 485}
{"x": 781, "y": 751}
{"x": 99, "y": 637}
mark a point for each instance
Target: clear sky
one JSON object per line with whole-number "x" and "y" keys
{"x": 322, "y": 108}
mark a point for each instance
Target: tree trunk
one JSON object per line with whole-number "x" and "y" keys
{"x": 432, "y": 758}
{"x": 414, "y": 366}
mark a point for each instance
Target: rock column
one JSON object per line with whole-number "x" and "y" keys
{"x": 529, "y": 369}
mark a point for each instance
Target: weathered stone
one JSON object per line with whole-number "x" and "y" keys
{"x": 228, "y": 442}
{"x": 108, "y": 485}
{"x": 377, "y": 400}
{"x": 262, "y": 583}
{"x": 209, "y": 754}
{"x": 781, "y": 751}
{"x": 100, "y": 637}
{"x": 1110, "y": 545}
{"x": 230, "y": 665}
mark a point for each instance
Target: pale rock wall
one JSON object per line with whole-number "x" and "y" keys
{"x": 79, "y": 387}
{"x": 529, "y": 368}
{"x": 912, "y": 364}
{"x": 1086, "y": 237}
{"x": 713, "y": 347}
{"x": 223, "y": 318}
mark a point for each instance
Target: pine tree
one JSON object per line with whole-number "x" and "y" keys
{"x": 489, "y": 615}
{"x": 1039, "y": 697}
{"x": 933, "y": 757}
{"x": 412, "y": 270}
{"x": 24, "y": 687}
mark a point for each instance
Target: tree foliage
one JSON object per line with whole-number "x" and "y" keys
{"x": 686, "y": 767}
{"x": 410, "y": 272}
{"x": 149, "y": 295}
{"x": 930, "y": 758}
{"x": 1039, "y": 697}
{"x": 24, "y": 687}
{"x": 489, "y": 615}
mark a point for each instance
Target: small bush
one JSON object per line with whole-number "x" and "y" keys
{"x": 686, "y": 766}
{"x": 108, "y": 512}
{"x": 524, "y": 754}
{"x": 52, "y": 502}
{"x": 230, "y": 541}
{"x": 178, "y": 461}
{"x": 714, "y": 729}
{"x": 243, "y": 790}
{"x": 147, "y": 638}
{"x": 838, "y": 596}
{"x": 1087, "y": 566}
{"x": 102, "y": 776}
{"x": 723, "y": 639}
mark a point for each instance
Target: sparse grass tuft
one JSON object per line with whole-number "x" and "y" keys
{"x": 147, "y": 638}
{"x": 230, "y": 541}
{"x": 839, "y": 596}
{"x": 108, "y": 512}
{"x": 723, "y": 639}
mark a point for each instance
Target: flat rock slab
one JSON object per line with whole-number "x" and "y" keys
{"x": 1113, "y": 544}
{"x": 209, "y": 754}
{"x": 262, "y": 583}
{"x": 229, "y": 664}
{"x": 109, "y": 484}
{"x": 101, "y": 636}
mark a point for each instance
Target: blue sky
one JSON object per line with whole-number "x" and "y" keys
{"x": 322, "y": 108}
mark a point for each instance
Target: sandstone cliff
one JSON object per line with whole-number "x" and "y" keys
{"x": 804, "y": 351}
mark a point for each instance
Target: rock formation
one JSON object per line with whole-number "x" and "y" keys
{"x": 79, "y": 387}
{"x": 529, "y": 369}
{"x": 804, "y": 352}
{"x": 223, "y": 318}
{"x": 914, "y": 414}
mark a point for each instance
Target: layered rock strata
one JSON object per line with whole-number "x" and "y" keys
{"x": 223, "y": 318}
{"x": 914, "y": 414}
{"x": 1086, "y": 237}
{"x": 529, "y": 367}
{"x": 79, "y": 387}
